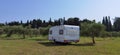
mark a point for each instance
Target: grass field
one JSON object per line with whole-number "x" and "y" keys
{"x": 41, "y": 46}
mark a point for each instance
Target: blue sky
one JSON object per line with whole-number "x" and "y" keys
{"x": 15, "y": 10}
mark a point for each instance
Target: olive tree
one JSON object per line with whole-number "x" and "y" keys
{"x": 95, "y": 29}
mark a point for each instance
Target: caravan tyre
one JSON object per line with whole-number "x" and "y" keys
{"x": 54, "y": 41}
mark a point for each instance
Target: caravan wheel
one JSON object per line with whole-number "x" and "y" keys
{"x": 54, "y": 41}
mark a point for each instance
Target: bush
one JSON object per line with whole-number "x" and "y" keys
{"x": 44, "y": 31}
{"x": 9, "y": 30}
{"x": 110, "y": 34}
{"x": 115, "y": 34}
{"x": 105, "y": 34}
{"x": 1, "y": 31}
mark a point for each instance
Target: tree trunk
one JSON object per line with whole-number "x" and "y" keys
{"x": 93, "y": 39}
{"x": 23, "y": 35}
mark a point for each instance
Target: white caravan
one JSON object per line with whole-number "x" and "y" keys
{"x": 64, "y": 33}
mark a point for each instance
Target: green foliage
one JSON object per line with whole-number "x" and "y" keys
{"x": 89, "y": 29}
{"x": 84, "y": 29}
{"x": 37, "y": 27}
{"x": 24, "y": 32}
{"x": 1, "y": 31}
{"x": 87, "y": 21}
{"x": 117, "y": 24}
{"x": 95, "y": 29}
{"x": 115, "y": 34}
{"x": 73, "y": 21}
{"x": 92, "y": 29}
{"x": 104, "y": 34}
{"x": 44, "y": 31}
{"x": 112, "y": 34}
{"x": 13, "y": 30}
{"x": 107, "y": 22}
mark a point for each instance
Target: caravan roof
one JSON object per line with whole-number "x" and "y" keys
{"x": 64, "y": 26}
{"x": 71, "y": 26}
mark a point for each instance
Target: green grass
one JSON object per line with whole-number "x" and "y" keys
{"x": 41, "y": 46}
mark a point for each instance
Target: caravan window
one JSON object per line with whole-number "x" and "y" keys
{"x": 61, "y": 32}
{"x": 50, "y": 32}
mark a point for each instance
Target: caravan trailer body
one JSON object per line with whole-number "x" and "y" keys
{"x": 64, "y": 33}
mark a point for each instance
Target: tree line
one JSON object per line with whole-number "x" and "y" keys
{"x": 35, "y": 27}
{"x": 37, "y": 23}
{"x": 109, "y": 26}
{"x": 38, "y": 27}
